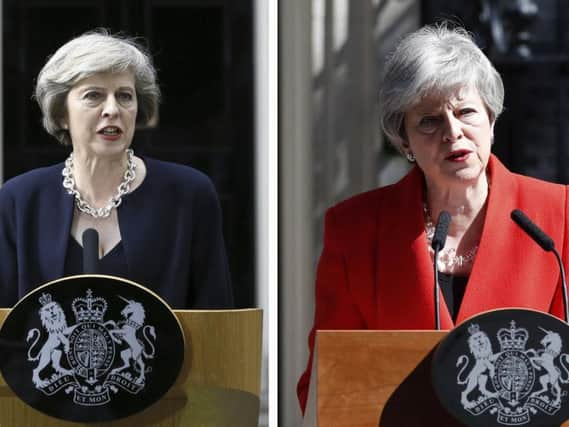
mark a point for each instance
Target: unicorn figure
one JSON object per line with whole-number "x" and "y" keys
{"x": 544, "y": 359}
{"x": 134, "y": 315}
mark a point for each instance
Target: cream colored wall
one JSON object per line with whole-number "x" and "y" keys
{"x": 265, "y": 145}
{"x": 295, "y": 200}
{"x": 262, "y": 141}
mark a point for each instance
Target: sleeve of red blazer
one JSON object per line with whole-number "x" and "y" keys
{"x": 334, "y": 305}
{"x": 556, "y": 307}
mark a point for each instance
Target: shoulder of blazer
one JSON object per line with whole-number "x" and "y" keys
{"x": 357, "y": 218}
{"x": 536, "y": 187}
{"x": 46, "y": 179}
{"x": 533, "y": 196}
{"x": 524, "y": 186}
{"x": 178, "y": 179}
{"x": 545, "y": 203}
{"x": 174, "y": 171}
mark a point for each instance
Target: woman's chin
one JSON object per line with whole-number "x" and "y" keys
{"x": 468, "y": 175}
{"x": 108, "y": 149}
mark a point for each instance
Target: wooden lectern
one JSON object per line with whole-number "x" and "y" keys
{"x": 219, "y": 384}
{"x": 375, "y": 378}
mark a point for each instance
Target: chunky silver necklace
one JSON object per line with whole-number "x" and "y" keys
{"x": 448, "y": 258}
{"x": 114, "y": 202}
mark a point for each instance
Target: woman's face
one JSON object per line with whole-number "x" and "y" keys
{"x": 101, "y": 113}
{"x": 451, "y": 138}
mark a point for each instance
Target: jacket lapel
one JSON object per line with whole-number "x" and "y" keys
{"x": 56, "y": 229}
{"x": 510, "y": 270}
{"x": 405, "y": 277}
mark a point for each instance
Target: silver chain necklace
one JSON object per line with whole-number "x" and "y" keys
{"x": 114, "y": 202}
{"x": 448, "y": 257}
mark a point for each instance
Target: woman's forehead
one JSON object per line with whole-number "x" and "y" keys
{"x": 104, "y": 78}
{"x": 440, "y": 98}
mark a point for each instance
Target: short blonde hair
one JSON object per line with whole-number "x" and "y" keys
{"x": 92, "y": 53}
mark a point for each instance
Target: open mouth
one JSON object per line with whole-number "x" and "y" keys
{"x": 458, "y": 155}
{"x": 110, "y": 131}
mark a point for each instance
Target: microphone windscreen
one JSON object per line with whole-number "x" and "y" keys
{"x": 441, "y": 231}
{"x": 90, "y": 251}
{"x": 532, "y": 230}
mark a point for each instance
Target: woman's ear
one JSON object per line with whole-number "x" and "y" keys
{"x": 63, "y": 122}
{"x": 405, "y": 150}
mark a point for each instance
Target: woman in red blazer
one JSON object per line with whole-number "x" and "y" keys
{"x": 440, "y": 99}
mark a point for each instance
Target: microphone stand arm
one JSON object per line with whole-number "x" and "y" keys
{"x": 437, "y": 292}
{"x": 563, "y": 285}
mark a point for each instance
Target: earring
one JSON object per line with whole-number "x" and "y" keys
{"x": 410, "y": 156}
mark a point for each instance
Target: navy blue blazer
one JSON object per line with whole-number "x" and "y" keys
{"x": 170, "y": 228}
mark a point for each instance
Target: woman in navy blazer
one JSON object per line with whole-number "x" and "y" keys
{"x": 159, "y": 223}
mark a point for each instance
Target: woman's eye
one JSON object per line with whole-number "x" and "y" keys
{"x": 428, "y": 120}
{"x": 470, "y": 116}
{"x": 125, "y": 97}
{"x": 429, "y": 124}
{"x": 92, "y": 96}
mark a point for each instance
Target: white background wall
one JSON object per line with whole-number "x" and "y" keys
{"x": 265, "y": 33}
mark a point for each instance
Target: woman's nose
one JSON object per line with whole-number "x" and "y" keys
{"x": 110, "y": 107}
{"x": 453, "y": 129}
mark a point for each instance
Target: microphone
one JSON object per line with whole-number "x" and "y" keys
{"x": 90, "y": 251}
{"x": 441, "y": 231}
{"x": 547, "y": 245}
{"x": 533, "y": 230}
{"x": 438, "y": 243}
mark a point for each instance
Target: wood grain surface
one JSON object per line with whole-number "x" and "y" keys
{"x": 378, "y": 378}
{"x": 219, "y": 384}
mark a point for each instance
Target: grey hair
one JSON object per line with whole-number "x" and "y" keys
{"x": 435, "y": 60}
{"x": 84, "y": 56}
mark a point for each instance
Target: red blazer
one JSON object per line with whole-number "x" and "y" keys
{"x": 375, "y": 271}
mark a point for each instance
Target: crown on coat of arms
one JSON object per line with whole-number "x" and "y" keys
{"x": 473, "y": 328}
{"x": 513, "y": 338}
{"x": 45, "y": 299}
{"x": 89, "y": 309}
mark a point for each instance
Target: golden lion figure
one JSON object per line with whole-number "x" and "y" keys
{"x": 481, "y": 349}
{"x": 54, "y": 322}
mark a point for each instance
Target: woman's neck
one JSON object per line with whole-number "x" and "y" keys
{"x": 97, "y": 178}
{"x": 463, "y": 201}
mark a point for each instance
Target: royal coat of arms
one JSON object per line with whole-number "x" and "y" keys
{"x": 514, "y": 382}
{"x": 93, "y": 358}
